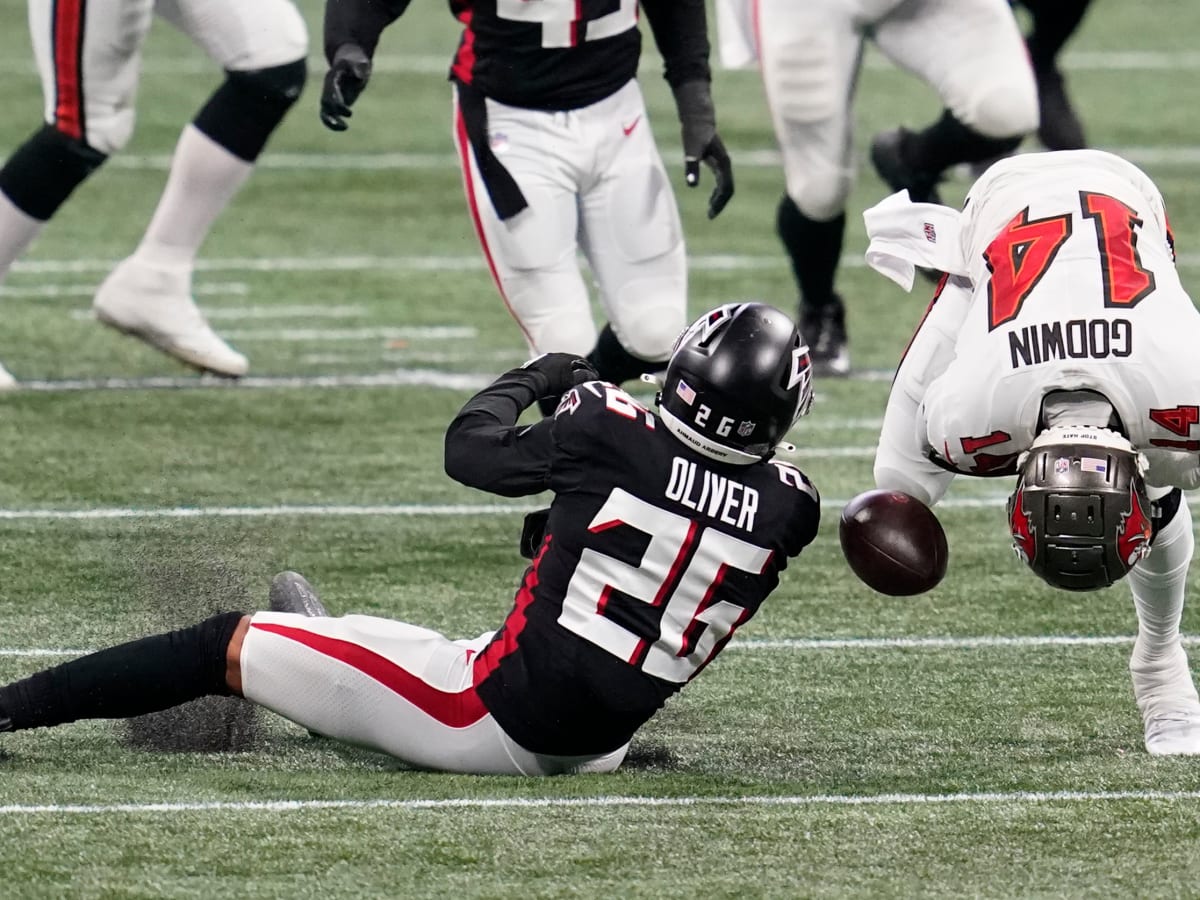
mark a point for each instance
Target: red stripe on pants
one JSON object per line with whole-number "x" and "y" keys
{"x": 68, "y": 79}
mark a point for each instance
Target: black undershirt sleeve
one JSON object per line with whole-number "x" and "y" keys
{"x": 680, "y": 30}
{"x": 359, "y": 22}
{"x": 486, "y": 449}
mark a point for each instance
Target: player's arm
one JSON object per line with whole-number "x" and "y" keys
{"x": 486, "y": 449}
{"x": 681, "y": 32}
{"x": 352, "y": 29}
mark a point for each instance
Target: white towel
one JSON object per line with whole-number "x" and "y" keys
{"x": 905, "y": 235}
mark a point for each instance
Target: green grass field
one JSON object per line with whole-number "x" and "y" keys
{"x": 980, "y": 740}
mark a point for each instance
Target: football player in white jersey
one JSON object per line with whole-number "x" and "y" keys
{"x": 89, "y": 59}
{"x": 1060, "y": 348}
{"x": 810, "y": 53}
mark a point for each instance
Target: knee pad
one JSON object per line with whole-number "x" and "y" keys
{"x": 651, "y": 321}
{"x": 41, "y": 174}
{"x": 1002, "y": 108}
{"x": 109, "y": 130}
{"x": 244, "y": 111}
{"x": 820, "y": 194}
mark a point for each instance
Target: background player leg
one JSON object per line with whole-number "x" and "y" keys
{"x": 810, "y": 55}
{"x": 262, "y": 47}
{"x": 980, "y": 70}
{"x": 1054, "y": 21}
{"x": 632, "y": 236}
{"x": 1162, "y": 680}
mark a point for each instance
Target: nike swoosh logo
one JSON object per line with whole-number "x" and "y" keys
{"x": 628, "y": 129}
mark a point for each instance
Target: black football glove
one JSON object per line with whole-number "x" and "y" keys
{"x": 557, "y": 373}
{"x": 702, "y": 144}
{"x": 533, "y": 531}
{"x": 347, "y": 77}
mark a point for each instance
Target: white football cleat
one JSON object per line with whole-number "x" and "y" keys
{"x": 155, "y": 303}
{"x": 7, "y": 382}
{"x": 1169, "y": 704}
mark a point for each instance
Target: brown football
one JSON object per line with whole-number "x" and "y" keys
{"x": 893, "y": 542}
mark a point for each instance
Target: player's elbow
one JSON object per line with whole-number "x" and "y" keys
{"x": 460, "y": 463}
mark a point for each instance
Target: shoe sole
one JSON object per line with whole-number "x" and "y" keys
{"x": 291, "y": 593}
{"x": 159, "y": 342}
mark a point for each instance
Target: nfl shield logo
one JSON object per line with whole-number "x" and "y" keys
{"x": 1062, "y": 464}
{"x": 745, "y": 429}
{"x": 930, "y": 233}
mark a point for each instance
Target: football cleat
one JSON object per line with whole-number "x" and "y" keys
{"x": 155, "y": 303}
{"x": 824, "y": 328}
{"x": 888, "y": 156}
{"x": 1059, "y": 127}
{"x": 1170, "y": 709}
{"x": 7, "y": 382}
{"x": 291, "y": 593}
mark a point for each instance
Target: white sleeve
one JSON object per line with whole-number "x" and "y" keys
{"x": 905, "y": 235}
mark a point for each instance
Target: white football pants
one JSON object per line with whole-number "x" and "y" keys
{"x": 389, "y": 686}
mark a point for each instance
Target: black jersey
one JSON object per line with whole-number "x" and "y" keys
{"x": 653, "y": 555}
{"x": 548, "y": 54}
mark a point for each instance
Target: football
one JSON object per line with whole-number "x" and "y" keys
{"x": 893, "y": 542}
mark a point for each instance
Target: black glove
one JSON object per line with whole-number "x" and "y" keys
{"x": 701, "y": 143}
{"x": 559, "y": 372}
{"x": 347, "y": 77}
{"x": 533, "y": 531}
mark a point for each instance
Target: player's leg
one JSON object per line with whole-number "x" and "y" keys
{"x": 901, "y": 463}
{"x": 87, "y": 58}
{"x": 631, "y": 234}
{"x": 810, "y": 55}
{"x": 1054, "y": 21}
{"x": 531, "y": 255}
{"x": 393, "y": 687}
{"x": 982, "y": 74}
{"x": 1162, "y": 679}
{"x": 261, "y": 46}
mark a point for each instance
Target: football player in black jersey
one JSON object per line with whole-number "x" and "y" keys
{"x": 557, "y": 156}
{"x": 667, "y": 531}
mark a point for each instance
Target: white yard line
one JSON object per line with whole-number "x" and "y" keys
{"x": 488, "y": 803}
{"x": 262, "y": 313}
{"x": 454, "y": 381}
{"x": 55, "y": 291}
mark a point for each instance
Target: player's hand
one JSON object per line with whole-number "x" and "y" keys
{"x": 702, "y": 144}
{"x": 347, "y": 77}
{"x": 533, "y": 532}
{"x": 559, "y": 372}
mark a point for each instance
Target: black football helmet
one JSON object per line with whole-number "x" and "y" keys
{"x": 737, "y": 380}
{"x": 1080, "y": 516}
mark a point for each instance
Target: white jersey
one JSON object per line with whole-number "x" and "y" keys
{"x": 1067, "y": 283}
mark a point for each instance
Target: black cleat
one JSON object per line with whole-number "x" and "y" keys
{"x": 888, "y": 156}
{"x": 1060, "y": 128}
{"x": 824, "y": 328}
{"x": 291, "y": 593}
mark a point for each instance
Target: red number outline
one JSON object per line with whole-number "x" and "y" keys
{"x": 1020, "y": 254}
{"x": 1126, "y": 281}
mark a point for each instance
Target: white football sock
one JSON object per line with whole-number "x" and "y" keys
{"x": 1158, "y": 584}
{"x": 17, "y": 231}
{"x": 204, "y": 178}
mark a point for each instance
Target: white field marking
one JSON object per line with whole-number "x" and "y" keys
{"x": 254, "y": 313}
{"x": 1178, "y": 156}
{"x": 55, "y": 291}
{"x": 383, "y": 333}
{"x": 703, "y": 262}
{"x": 488, "y": 803}
{"x": 396, "y": 378}
{"x": 407, "y": 510}
{"x": 439, "y": 63}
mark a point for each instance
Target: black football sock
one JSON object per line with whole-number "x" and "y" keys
{"x": 815, "y": 249}
{"x": 131, "y": 679}
{"x": 616, "y": 364}
{"x": 248, "y": 106}
{"x": 948, "y": 142}
{"x": 1054, "y": 21}
{"x": 43, "y": 172}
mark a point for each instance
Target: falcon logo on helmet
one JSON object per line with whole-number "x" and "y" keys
{"x": 739, "y": 378}
{"x": 1078, "y": 516}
